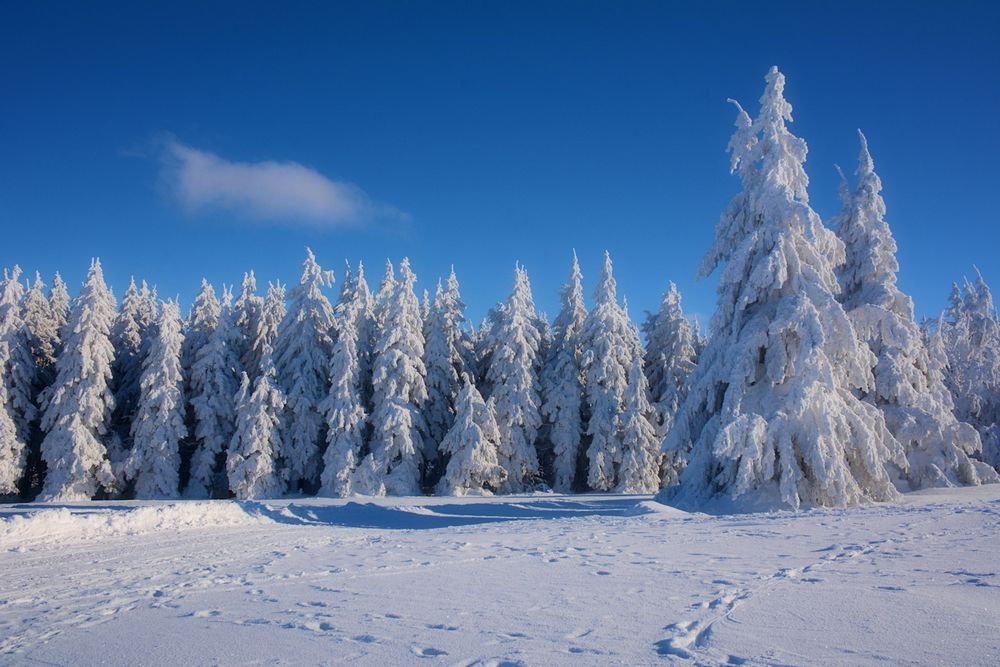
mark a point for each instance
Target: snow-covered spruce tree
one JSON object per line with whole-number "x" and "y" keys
{"x": 640, "y": 467}
{"x": 394, "y": 463}
{"x": 970, "y": 337}
{"x": 251, "y": 464}
{"x": 472, "y": 446}
{"x": 562, "y": 383}
{"x": 771, "y": 417}
{"x": 17, "y": 365}
{"x": 130, "y": 335}
{"x": 78, "y": 408}
{"x": 367, "y": 331}
{"x": 445, "y": 356}
{"x": 153, "y": 463}
{"x": 610, "y": 343}
{"x": 13, "y": 391}
{"x": 917, "y": 406}
{"x": 59, "y": 302}
{"x": 41, "y": 333}
{"x": 513, "y": 380}
{"x": 213, "y": 384}
{"x": 269, "y": 318}
{"x": 248, "y": 309}
{"x": 670, "y": 358}
{"x": 343, "y": 408}
{"x": 302, "y": 357}
{"x": 201, "y": 322}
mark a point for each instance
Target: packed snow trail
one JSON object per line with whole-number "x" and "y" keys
{"x": 528, "y": 580}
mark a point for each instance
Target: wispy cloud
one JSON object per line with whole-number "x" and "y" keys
{"x": 268, "y": 191}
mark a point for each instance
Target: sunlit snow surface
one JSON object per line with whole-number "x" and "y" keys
{"x": 532, "y": 580}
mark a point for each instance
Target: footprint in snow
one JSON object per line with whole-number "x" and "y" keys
{"x": 428, "y": 652}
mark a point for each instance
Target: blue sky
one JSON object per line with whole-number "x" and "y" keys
{"x": 475, "y": 134}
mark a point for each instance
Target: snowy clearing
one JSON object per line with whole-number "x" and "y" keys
{"x": 532, "y": 580}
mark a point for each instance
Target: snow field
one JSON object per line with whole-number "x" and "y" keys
{"x": 527, "y": 580}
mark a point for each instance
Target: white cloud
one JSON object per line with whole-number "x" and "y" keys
{"x": 276, "y": 192}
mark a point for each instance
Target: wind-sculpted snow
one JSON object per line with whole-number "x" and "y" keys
{"x": 539, "y": 579}
{"x": 95, "y": 522}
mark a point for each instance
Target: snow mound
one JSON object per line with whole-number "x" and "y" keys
{"x": 81, "y": 525}
{"x": 652, "y": 508}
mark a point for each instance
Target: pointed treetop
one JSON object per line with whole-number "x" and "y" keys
{"x": 607, "y": 289}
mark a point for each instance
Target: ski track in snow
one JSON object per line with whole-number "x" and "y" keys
{"x": 511, "y": 581}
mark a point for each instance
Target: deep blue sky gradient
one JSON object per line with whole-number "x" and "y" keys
{"x": 507, "y": 131}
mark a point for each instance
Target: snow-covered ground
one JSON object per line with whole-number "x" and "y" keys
{"x": 534, "y": 580}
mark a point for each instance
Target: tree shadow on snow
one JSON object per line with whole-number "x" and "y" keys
{"x": 424, "y": 517}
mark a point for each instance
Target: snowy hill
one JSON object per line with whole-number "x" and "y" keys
{"x": 532, "y": 580}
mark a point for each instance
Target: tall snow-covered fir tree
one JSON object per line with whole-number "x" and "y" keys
{"x": 302, "y": 358}
{"x": 917, "y": 406}
{"x": 265, "y": 331}
{"x": 394, "y": 464}
{"x": 670, "y": 358}
{"x": 41, "y": 334}
{"x": 472, "y": 446}
{"x": 248, "y": 309}
{"x": 213, "y": 383}
{"x": 153, "y": 463}
{"x": 78, "y": 407}
{"x": 640, "y": 466}
{"x": 252, "y": 463}
{"x": 131, "y": 336}
{"x": 41, "y": 329}
{"x": 445, "y": 356}
{"x": 201, "y": 322}
{"x": 59, "y": 301}
{"x": 512, "y": 378}
{"x": 562, "y": 383}
{"x": 970, "y": 336}
{"x": 16, "y": 408}
{"x": 610, "y": 345}
{"x": 343, "y": 408}
{"x": 771, "y": 417}
{"x": 17, "y": 364}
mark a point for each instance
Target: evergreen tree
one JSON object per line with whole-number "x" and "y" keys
{"x": 343, "y": 408}
{"x": 472, "y": 446}
{"x": 610, "y": 344}
{"x": 302, "y": 357}
{"x": 640, "y": 467}
{"x": 771, "y": 416}
{"x": 17, "y": 365}
{"x": 201, "y": 322}
{"x": 14, "y": 393}
{"x": 970, "y": 337}
{"x": 917, "y": 406}
{"x": 213, "y": 383}
{"x": 130, "y": 334}
{"x": 41, "y": 332}
{"x": 670, "y": 358}
{"x": 248, "y": 309}
{"x": 266, "y": 323}
{"x": 153, "y": 463}
{"x": 513, "y": 380}
{"x": 396, "y": 458}
{"x": 78, "y": 409}
{"x": 445, "y": 357}
{"x": 562, "y": 382}
{"x": 59, "y": 302}
{"x": 252, "y": 464}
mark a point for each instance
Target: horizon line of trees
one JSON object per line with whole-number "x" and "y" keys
{"x": 816, "y": 385}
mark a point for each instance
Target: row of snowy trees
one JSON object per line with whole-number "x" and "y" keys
{"x": 816, "y": 386}
{"x": 375, "y": 393}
